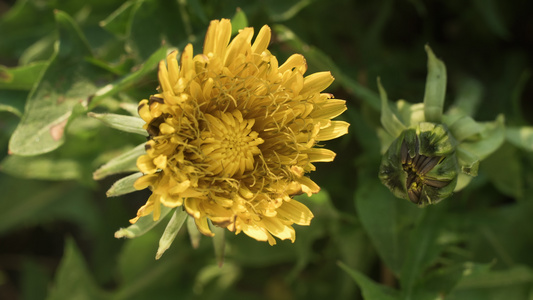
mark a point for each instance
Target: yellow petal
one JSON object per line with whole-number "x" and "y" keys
{"x": 278, "y": 229}
{"x": 180, "y": 187}
{"x": 144, "y": 111}
{"x": 209, "y": 42}
{"x": 330, "y": 109}
{"x": 262, "y": 40}
{"x": 320, "y": 155}
{"x": 203, "y": 227}
{"x": 294, "y": 61}
{"x": 308, "y": 186}
{"x": 173, "y": 69}
{"x": 256, "y": 232}
{"x": 296, "y": 212}
{"x": 317, "y": 82}
{"x": 146, "y": 164}
{"x": 335, "y": 130}
{"x": 223, "y": 35}
{"x": 145, "y": 181}
{"x": 160, "y": 161}
{"x": 238, "y": 45}
{"x": 163, "y": 77}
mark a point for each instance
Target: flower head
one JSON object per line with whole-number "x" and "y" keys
{"x": 232, "y": 135}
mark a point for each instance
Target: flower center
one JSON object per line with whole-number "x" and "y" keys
{"x": 229, "y": 144}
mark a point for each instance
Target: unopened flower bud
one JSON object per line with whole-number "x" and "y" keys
{"x": 421, "y": 165}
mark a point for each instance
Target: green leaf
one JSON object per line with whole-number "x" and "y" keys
{"x": 219, "y": 243}
{"x": 67, "y": 82}
{"x": 154, "y": 23}
{"x": 389, "y": 120}
{"x": 35, "y": 280}
{"x": 464, "y": 128}
{"x": 521, "y": 137}
{"x": 194, "y": 233}
{"x": 468, "y": 161}
{"x": 435, "y": 88}
{"x": 239, "y": 21}
{"x": 144, "y": 278}
{"x": 121, "y": 122}
{"x": 47, "y": 166}
{"x": 505, "y": 170}
{"x": 41, "y": 50}
{"x": 172, "y": 229}
{"x": 422, "y": 249}
{"x": 72, "y": 280}
{"x": 370, "y": 289}
{"x": 118, "y": 22}
{"x": 468, "y": 97}
{"x": 124, "y": 185}
{"x": 440, "y": 282}
{"x": 387, "y": 221}
{"x": 21, "y": 78}
{"x": 13, "y": 101}
{"x": 489, "y": 140}
{"x": 125, "y": 162}
{"x": 143, "y": 225}
{"x": 32, "y": 202}
{"x": 126, "y": 82}
{"x": 284, "y": 10}
{"x": 512, "y": 283}
{"x": 410, "y": 114}
{"x": 223, "y": 277}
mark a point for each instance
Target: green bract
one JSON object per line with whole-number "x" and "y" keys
{"x": 429, "y": 154}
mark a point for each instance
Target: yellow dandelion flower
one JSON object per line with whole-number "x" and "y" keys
{"x": 232, "y": 135}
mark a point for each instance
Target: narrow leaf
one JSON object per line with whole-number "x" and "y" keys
{"x": 194, "y": 233}
{"x": 118, "y": 21}
{"x": 123, "y": 185}
{"x": 521, "y": 137}
{"x": 219, "y": 243}
{"x": 464, "y": 128}
{"x": 21, "y": 78}
{"x": 422, "y": 249}
{"x": 121, "y": 122}
{"x": 128, "y": 81}
{"x": 120, "y": 164}
{"x": 491, "y": 138}
{"x": 172, "y": 229}
{"x": 370, "y": 289}
{"x": 389, "y": 120}
{"x": 73, "y": 280}
{"x": 143, "y": 225}
{"x": 468, "y": 161}
{"x": 239, "y": 21}
{"x": 435, "y": 88}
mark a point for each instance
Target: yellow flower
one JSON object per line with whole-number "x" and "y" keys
{"x": 232, "y": 135}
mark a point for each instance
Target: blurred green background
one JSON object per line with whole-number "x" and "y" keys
{"x": 57, "y": 226}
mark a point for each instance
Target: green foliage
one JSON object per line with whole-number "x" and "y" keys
{"x": 68, "y": 68}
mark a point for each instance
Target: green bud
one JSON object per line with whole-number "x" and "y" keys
{"x": 421, "y": 164}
